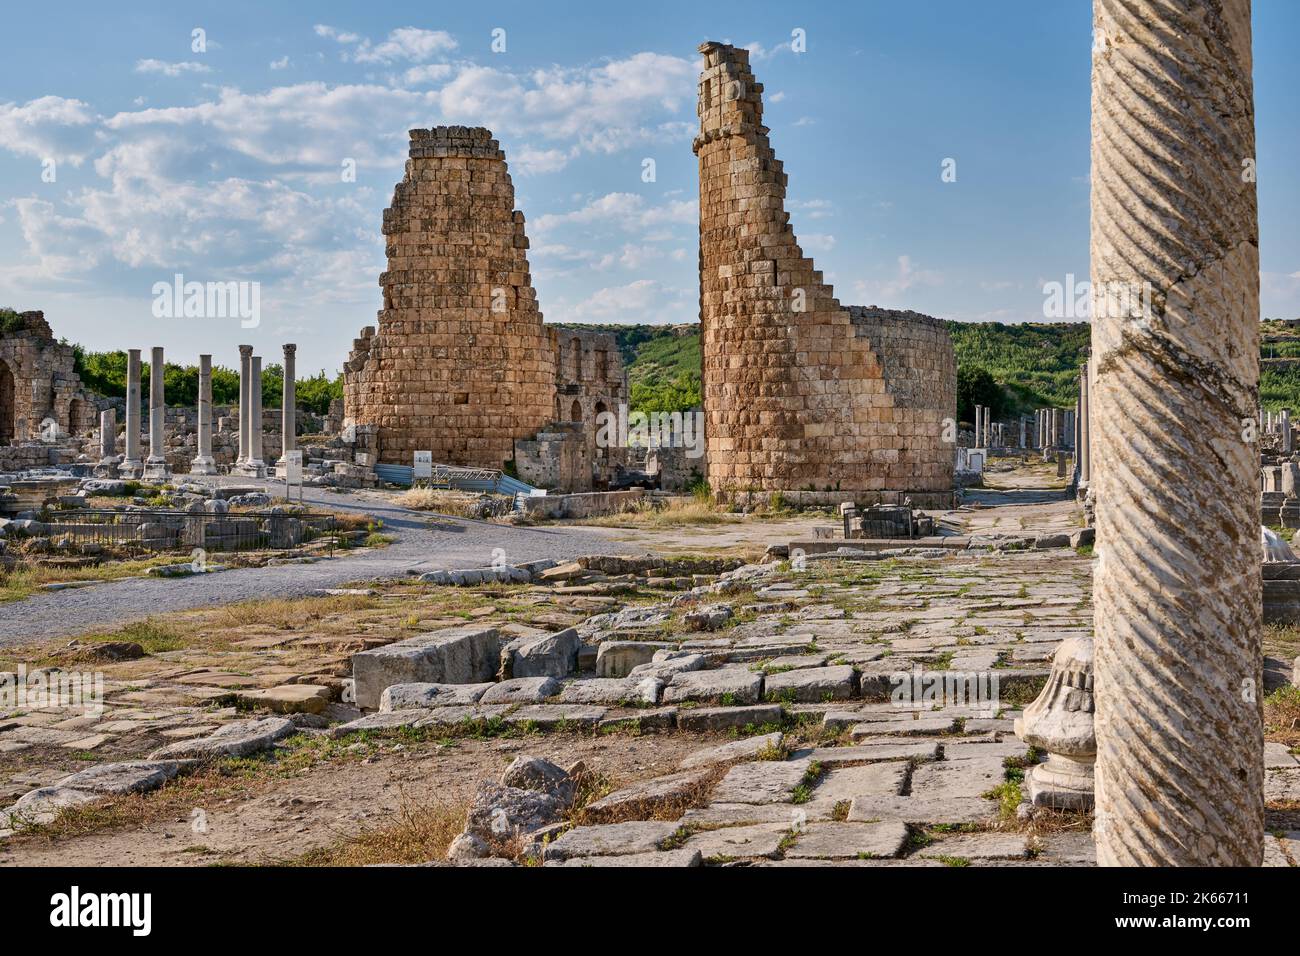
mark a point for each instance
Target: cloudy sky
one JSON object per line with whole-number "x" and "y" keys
{"x": 130, "y": 151}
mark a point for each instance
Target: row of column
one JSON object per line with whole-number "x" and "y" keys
{"x": 1278, "y": 423}
{"x": 155, "y": 467}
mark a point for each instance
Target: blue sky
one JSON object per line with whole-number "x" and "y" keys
{"x": 224, "y": 164}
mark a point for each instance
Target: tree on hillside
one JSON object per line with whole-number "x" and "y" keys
{"x": 975, "y": 386}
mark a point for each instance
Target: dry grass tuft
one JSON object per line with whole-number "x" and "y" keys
{"x": 421, "y": 833}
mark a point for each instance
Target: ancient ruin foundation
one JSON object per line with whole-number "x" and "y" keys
{"x": 800, "y": 392}
{"x": 461, "y": 364}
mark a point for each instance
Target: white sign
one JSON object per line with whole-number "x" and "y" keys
{"x": 293, "y": 467}
{"x": 423, "y": 464}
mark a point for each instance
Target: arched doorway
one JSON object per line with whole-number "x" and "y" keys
{"x": 6, "y": 405}
{"x": 575, "y": 413}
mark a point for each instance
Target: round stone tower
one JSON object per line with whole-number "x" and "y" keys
{"x": 799, "y": 392}
{"x": 460, "y": 363}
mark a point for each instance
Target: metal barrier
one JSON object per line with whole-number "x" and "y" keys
{"x": 157, "y": 530}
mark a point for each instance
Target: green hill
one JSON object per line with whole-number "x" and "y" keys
{"x": 1013, "y": 369}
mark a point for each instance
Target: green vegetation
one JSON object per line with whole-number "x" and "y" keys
{"x": 105, "y": 373}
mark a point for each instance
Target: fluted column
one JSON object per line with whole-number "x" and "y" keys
{"x": 155, "y": 466}
{"x": 1175, "y": 342}
{"x": 203, "y": 463}
{"x": 131, "y": 464}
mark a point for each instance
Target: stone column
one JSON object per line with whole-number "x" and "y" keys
{"x": 255, "y": 463}
{"x": 155, "y": 466}
{"x": 131, "y": 465}
{"x": 203, "y": 463}
{"x": 1285, "y": 427}
{"x": 1177, "y": 596}
{"x": 978, "y": 431}
{"x": 1085, "y": 454}
{"x": 245, "y": 401}
{"x": 288, "y": 405}
{"x": 108, "y": 457}
{"x": 1022, "y": 432}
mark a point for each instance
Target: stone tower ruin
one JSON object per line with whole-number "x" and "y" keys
{"x": 801, "y": 393}
{"x": 460, "y": 363}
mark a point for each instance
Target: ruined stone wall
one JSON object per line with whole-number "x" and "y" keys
{"x": 589, "y": 374}
{"x": 460, "y": 363}
{"x": 38, "y": 381}
{"x": 799, "y": 392}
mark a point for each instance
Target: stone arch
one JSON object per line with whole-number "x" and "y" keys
{"x": 575, "y": 411}
{"x": 7, "y": 405}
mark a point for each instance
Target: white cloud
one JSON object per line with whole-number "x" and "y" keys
{"x": 50, "y": 127}
{"x": 811, "y": 208}
{"x": 405, "y": 43}
{"x": 886, "y": 292}
{"x": 644, "y": 300}
{"x": 624, "y": 210}
{"x": 427, "y": 74}
{"x": 171, "y": 69}
{"x": 817, "y": 242}
{"x": 280, "y": 64}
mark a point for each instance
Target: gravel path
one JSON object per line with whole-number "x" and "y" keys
{"x": 424, "y": 542}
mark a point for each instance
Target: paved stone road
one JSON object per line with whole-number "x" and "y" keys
{"x": 424, "y": 542}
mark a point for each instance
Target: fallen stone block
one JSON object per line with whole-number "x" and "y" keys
{"x": 537, "y": 773}
{"x": 669, "y": 793}
{"x": 731, "y": 685}
{"x": 423, "y": 696}
{"x": 458, "y": 655}
{"x": 557, "y": 716}
{"x": 521, "y": 690}
{"x": 704, "y": 719}
{"x": 237, "y": 739}
{"x": 922, "y": 809}
{"x": 708, "y": 618}
{"x": 287, "y": 698}
{"x": 555, "y": 655}
{"x": 661, "y": 718}
{"x": 500, "y": 814}
{"x": 812, "y": 684}
{"x": 136, "y": 776}
{"x": 611, "y": 839}
{"x": 618, "y": 658}
{"x": 838, "y": 841}
{"x": 738, "y": 843}
{"x": 746, "y": 749}
{"x": 976, "y": 847}
{"x": 764, "y": 781}
{"x": 660, "y": 858}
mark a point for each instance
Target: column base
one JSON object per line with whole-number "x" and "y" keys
{"x": 108, "y": 467}
{"x": 203, "y": 465}
{"x": 250, "y": 469}
{"x": 130, "y": 468}
{"x": 157, "y": 469}
{"x": 1062, "y": 783}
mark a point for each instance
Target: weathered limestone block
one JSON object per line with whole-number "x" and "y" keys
{"x": 555, "y": 655}
{"x": 811, "y": 685}
{"x": 618, "y": 658}
{"x": 736, "y": 685}
{"x": 458, "y": 655}
{"x": 1060, "y": 721}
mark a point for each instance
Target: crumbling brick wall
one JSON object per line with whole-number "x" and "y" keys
{"x": 460, "y": 363}
{"x": 38, "y": 381}
{"x": 800, "y": 392}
